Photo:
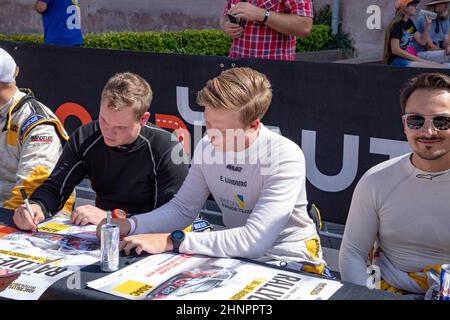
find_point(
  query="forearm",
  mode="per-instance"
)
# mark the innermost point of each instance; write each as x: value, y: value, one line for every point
x: 167, y: 218
x: 424, y: 36
x: 360, y: 234
x: 352, y: 264
x: 404, y: 54
x: 290, y: 24
x: 250, y: 241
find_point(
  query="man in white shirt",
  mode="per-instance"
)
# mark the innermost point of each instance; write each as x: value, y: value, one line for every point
x: 401, y: 204
x: 257, y: 178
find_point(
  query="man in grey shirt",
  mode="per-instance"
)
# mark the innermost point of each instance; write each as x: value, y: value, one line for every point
x: 400, y: 207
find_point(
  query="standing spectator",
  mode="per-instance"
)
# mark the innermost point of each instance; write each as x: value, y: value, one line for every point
x: 61, y: 20
x: 266, y: 29
x: 398, y: 47
x: 437, y: 47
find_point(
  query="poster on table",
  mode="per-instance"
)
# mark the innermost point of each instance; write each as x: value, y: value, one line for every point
x: 57, y: 250
x: 194, y: 277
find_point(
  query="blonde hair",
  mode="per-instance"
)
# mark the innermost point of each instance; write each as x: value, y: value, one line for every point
x: 128, y: 90
x: 387, y: 36
x: 238, y: 89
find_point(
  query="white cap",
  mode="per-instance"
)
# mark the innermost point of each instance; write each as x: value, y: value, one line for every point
x: 7, y: 67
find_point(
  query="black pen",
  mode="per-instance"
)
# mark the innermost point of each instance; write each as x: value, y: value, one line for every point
x: 27, y: 205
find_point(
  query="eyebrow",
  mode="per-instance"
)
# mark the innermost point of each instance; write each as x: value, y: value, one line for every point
x: 112, y: 126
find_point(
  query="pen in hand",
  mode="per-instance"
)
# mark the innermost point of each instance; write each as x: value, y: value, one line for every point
x: 27, y: 205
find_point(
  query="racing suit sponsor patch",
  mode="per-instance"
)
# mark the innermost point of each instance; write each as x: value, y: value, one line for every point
x: 32, y: 120
x: 42, y: 138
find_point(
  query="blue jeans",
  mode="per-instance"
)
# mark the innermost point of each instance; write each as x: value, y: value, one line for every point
x: 400, y: 62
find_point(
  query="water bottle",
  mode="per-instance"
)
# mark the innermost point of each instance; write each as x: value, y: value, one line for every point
x: 431, y: 14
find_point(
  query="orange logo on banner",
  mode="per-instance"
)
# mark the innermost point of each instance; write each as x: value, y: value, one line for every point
x: 176, y: 124
x: 4, y: 231
x: 73, y: 109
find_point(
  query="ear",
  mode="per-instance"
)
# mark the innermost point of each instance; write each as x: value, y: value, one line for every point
x: 254, y: 125
x: 144, y: 119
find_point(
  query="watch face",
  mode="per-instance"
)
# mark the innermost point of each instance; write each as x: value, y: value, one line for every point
x: 177, y: 235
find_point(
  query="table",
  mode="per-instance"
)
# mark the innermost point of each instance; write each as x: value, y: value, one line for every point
x: 60, y: 290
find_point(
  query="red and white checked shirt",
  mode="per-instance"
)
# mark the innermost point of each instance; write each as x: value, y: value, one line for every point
x: 260, y: 41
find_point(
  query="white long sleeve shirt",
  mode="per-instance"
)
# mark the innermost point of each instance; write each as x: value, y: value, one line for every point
x: 406, y: 210
x: 261, y: 193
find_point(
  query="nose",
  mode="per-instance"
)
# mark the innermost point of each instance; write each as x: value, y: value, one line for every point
x: 428, y: 126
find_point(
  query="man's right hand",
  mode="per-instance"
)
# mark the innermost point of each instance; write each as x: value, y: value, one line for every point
x: 233, y: 30
x: 22, y: 218
x: 124, y: 226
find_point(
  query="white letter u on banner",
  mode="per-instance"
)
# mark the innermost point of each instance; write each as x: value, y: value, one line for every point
x: 345, y: 177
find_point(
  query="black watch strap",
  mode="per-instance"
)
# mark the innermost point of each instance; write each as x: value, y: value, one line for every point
x: 266, y: 16
x: 177, y: 238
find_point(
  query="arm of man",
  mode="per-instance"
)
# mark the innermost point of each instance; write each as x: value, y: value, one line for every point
x: 361, y: 230
x: 232, y: 30
x: 297, y: 19
x: 446, y: 44
x: 41, y: 6
x: 180, y: 211
x: 423, y: 37
x: 268, y: 218
x: 431, y: 46
x: 39, y: 153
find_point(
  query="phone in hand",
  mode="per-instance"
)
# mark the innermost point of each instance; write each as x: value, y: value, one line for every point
x: 233, y: 19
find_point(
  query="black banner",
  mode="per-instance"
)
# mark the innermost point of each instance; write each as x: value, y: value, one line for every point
x: 345, y: 117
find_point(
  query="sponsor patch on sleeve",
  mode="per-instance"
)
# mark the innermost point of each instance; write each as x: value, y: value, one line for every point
x: 30, y: 121
x: 41, y: 138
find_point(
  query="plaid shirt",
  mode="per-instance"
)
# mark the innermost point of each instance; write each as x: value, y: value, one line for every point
x: 260, y: 41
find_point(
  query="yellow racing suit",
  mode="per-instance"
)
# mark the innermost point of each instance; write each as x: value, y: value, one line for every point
x: 31, y: 142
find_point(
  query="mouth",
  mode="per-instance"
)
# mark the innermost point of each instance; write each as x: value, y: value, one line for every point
x: 429, y: 141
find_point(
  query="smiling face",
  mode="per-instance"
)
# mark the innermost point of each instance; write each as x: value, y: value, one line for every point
x: 119, y: 127
x: 431, y: 146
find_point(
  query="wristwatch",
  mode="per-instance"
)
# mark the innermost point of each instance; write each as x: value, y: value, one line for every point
x: 177, y: 238
x: 266, y: 16
x: 118, y: 214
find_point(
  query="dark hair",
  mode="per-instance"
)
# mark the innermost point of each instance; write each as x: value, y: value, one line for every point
x: 430, y: 81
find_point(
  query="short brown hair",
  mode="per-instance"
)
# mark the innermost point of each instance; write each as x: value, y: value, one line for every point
x: 429, y: 81
x: 128, y: 90
x: 238, y: 89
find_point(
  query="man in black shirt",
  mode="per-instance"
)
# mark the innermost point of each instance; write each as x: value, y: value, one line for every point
x: 131, y: 164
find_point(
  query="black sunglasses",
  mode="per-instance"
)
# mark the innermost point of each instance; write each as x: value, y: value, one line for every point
x: 416, y: 121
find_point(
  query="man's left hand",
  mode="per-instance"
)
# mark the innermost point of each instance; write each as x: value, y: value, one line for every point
x: 86, y: 214
x: 151, y: 243
x: 6, y: 281
x: 248, y: 11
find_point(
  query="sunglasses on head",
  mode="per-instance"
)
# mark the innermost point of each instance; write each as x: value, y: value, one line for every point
x: 416, y: 121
